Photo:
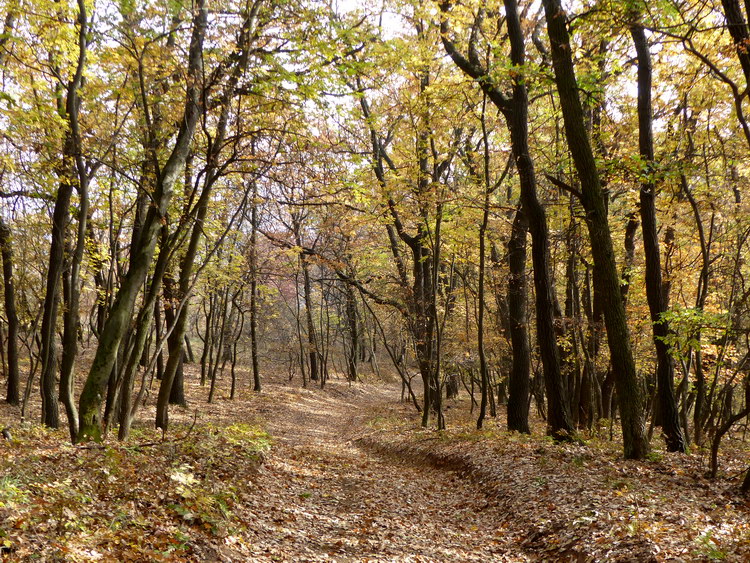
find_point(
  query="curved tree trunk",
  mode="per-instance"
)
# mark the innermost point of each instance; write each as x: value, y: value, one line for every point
x: 149, y: 309
x: 48, y: 381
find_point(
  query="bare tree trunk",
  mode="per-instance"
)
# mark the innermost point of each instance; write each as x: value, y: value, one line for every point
x: 175, y: 341
x: 48, y: 381
x: 158, y: 307
x: 207, y: 336
x: 219, y: 359
x: 515, y: 111
x: 71, y: 317
x: 143, y: 326
x: 312, y: 340
x: 238, y: 328
x: 189, y: 356
x: 352, y: 344
x: 483, y: 369
x: 173, y: 370
x: 559, y: 418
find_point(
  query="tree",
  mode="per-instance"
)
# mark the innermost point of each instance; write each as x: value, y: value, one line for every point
x: 630, y: 398
x: 9, y: 293
x: 257, y: 386
x: 658, y: 299
x: 122, y: 308
x: 419, y: 243
x: 515, y: 111
x: 213, y: 171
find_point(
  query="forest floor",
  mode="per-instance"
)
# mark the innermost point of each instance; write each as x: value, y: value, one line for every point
x: 346, y: 474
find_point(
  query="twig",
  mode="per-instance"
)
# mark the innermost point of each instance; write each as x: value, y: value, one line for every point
x: 563, y: 186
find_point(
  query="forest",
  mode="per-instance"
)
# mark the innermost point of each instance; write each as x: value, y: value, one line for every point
x: 405, y: 280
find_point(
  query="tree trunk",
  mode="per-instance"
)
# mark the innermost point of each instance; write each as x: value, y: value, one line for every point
x: 122, y: 309
x: 175, y: 342
x: 6, y: 252
x: 257, y: 385
x: 737, y: 27
x: 71, y: 319
x: 629, y: 394
x: 418, y: 310
x: 483, y: 369
x: 149, y: 310
x: 559, y: 418
x: 219, y: 359
x: 520, y: 374
x: 207, y: 337
x: 173, y: 372
x: 657, y: 299
x: 515, y: 111
x: 238, y: 327
x: 352, y: 349
x: 627, y: 268
x: 73, y: 169
x: 48, y: 381
x: 570, y: 355
x: 312, y: 340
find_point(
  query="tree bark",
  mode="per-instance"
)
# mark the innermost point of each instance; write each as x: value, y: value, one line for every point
x: 312, y: 340
x: 9, y: 293
x: 559, y: 418
x: 220, y: 357
x: 657, y: 299
x: 417, y: 312
x: 484, y: 377
x: 173, y: 370
x: 175, y: 342
x: 520, y: 374
x: 352, y: 350
x: 738, y: 29
x: 630, y: 398
x: 48, y: 381
x: 257, y: 384
x: 71, y: 316
x: 119, y: 318
x: 627, y: 268
x: 515, y: 111
x: 143, y: 323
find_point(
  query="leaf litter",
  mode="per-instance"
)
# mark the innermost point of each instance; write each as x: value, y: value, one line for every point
x: 346, y: 474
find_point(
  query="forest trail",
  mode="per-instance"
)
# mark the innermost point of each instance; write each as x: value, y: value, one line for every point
x: 320, y: 497
x: 350, y: 476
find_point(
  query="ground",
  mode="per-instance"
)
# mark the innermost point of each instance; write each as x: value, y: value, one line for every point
x: 334, y: 500
x: 346, y: 474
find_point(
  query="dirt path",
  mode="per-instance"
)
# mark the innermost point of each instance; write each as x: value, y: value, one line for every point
x: 322, y: 498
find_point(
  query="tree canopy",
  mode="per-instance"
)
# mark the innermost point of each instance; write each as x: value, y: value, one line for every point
x: 333, y: 189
